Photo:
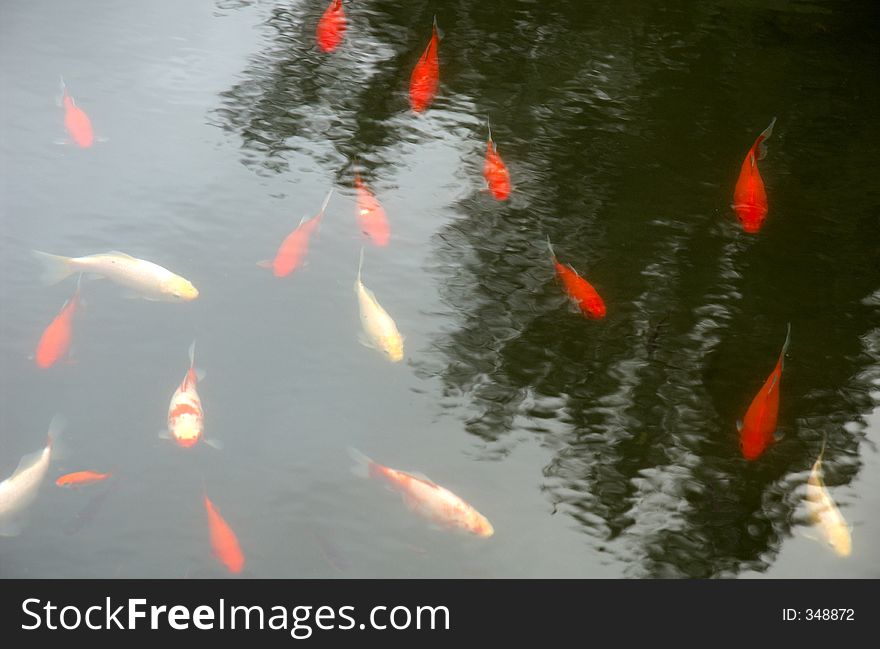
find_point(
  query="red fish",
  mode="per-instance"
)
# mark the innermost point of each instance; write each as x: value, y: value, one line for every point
x: 331, y: 27
x: 293, y: 249
x: 224, y: 543
x: 579, y: 290
x: 78, y: 125
x: 371, y: 216
x: 55, y: 340
x: 426, y: 75
x: 495, y: 171
x: 758, y: 428
x: 749, y: 197
x: 81, y: 478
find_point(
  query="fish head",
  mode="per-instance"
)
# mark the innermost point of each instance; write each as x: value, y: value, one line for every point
x: 393, y: 348
x: 181, y: 289
x: 596, y: 308
x: 752, y: 446
x: 187, y: 430
x: 841, y: 540
x: 751, y: 217
x: 482, y: 526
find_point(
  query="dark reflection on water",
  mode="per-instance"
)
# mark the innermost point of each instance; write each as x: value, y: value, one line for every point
x: 624, y: 127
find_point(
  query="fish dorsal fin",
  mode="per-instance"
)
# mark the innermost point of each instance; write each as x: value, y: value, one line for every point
x: 421, y: 477
x: 118, y: 253
x: 761, y: 151
x: 773, y: 382
x: 26, y: 463
x: 370, y: 295
x: 571, y: 268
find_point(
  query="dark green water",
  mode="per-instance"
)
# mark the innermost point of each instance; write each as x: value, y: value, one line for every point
x: 596, y: 448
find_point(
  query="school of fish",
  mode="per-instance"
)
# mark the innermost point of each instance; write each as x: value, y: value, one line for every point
x: 185, y: 415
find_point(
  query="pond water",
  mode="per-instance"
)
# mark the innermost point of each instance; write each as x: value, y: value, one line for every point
x: 597, y: 448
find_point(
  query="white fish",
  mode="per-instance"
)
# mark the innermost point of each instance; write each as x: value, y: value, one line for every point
x: 425, y: 497
x: 145, y: 278
x: 186, y: 419
x: 20, y: 489
x: 824, y: 513
x: 379, y: 330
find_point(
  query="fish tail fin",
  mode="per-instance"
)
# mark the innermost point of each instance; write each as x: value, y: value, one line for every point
x: 767, y: 132
x: 55, y: 267
x: 761, y: 142
x: 194, y: 371
x: 56, y: 429
x: 360, y: 268
x: 55, y: 435
x: 362, y: 464
x: 785, y: 346
x: 76, y: 291
x: 62, y: 89
x: 436, y: 29
x: 326, y: 202
x: 550, y: 248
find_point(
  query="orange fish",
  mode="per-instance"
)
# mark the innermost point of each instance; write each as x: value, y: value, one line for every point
x: 371, y: 215
x: 426, y: 75
x: 426, y: 498
x: 579, y: 290
x: 331, y: 27
x: 495, y: 171
x: 749, y: 197
x: 224, y: 543
x: 81, y: 478
x: 758, y: 429
x: 293, y: 249
x: 186, y: 420
x: 78, y: 125
x: 55, y: 340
